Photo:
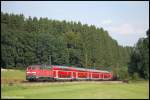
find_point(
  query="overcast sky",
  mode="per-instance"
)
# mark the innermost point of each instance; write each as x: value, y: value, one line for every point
x: 126, y: 21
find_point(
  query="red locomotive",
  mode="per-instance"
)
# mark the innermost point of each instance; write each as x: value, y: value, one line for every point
x: 55, y: 72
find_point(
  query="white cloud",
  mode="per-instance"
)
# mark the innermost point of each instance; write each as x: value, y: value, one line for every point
x: 126, y: 29
x: 127, y: 34
x: 107, y: 22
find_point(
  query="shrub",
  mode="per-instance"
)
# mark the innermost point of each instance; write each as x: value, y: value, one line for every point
x: 135, y: 76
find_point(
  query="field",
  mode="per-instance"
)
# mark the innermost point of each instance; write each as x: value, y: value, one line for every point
x: 16, y: 76
x: 70, y: 90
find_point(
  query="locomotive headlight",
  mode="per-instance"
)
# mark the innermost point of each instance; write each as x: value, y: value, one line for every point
x: 31, y: 72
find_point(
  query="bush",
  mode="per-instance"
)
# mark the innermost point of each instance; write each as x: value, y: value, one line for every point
x: 135, y: 76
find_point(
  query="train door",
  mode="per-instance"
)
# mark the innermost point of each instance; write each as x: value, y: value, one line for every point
x: 74, y: 75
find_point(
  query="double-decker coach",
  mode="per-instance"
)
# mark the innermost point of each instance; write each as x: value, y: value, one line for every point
x: 55, y: 72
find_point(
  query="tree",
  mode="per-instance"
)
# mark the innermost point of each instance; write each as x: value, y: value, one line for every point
x: 139, y: 62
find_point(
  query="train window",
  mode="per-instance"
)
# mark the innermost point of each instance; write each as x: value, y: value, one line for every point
x: 29, y: 68
x: 35, y: 67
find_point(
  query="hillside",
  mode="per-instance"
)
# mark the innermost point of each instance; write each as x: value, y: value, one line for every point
x: 26, y: 41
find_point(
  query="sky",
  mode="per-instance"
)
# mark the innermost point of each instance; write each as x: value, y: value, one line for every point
x: 125, y: 21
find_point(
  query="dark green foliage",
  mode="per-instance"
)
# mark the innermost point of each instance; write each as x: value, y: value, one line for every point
x: 139, y: 60
x: 135, y: 76
x: 43, y: 41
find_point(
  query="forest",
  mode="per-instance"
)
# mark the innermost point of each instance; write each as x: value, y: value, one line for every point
x: 29, y: 41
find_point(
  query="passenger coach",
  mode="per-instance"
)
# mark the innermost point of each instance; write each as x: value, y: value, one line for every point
x: 55, y: 72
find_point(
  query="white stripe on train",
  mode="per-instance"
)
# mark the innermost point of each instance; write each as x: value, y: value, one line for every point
x: 31, y: 72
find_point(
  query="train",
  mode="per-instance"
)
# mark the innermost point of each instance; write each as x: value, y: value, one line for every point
x: 57, y: 72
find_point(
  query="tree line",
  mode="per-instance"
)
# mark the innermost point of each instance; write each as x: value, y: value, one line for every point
x: 28, y: 41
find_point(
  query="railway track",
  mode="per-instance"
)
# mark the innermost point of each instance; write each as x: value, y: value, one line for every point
x: 71, y: 82
x: 40, y: 83
x: 68, y: 82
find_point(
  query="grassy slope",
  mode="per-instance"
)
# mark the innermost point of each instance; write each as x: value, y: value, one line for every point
x: 74, y: 90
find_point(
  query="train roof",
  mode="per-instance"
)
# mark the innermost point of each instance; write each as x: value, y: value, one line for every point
x: 42, y: 65
x: 76, y: 68
x: 82, y: 69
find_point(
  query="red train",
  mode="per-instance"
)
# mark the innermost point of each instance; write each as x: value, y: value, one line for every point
x: 55, y: 72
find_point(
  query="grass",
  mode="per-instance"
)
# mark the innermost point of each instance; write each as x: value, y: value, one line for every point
x: 75, y: 90
x: 12, y: 76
